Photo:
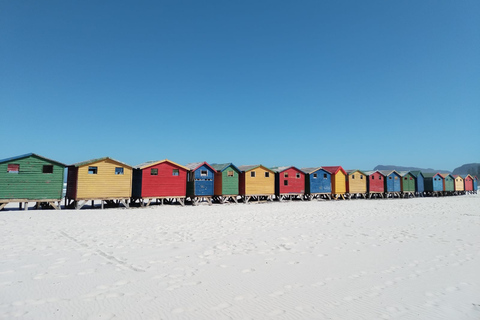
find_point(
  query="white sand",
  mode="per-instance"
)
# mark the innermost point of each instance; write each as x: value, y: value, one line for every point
x: 359, y: 259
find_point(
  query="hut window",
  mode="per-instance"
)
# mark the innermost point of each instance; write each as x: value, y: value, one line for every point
x: 324, y: 176
x: 48, y: 168
x: 390, y: 178
x: 361, y: 177
x: 13, y: 168
x: 230, y: 173
x: 372, y: 177
x: 267, y: 174
x: 92, y: 170
x: 154, y: 172
x: 405, y: 178
x: 203, y: 173
x: 285, y: 174
x: 118, y: 170
x: 314, y: 176
x: 297, y: 176
x: 411, y: 178
x: 252, y: 174
x: 285, y: 182
x: 396, y: 178
x: 175, y: 172
x: 353, y: 176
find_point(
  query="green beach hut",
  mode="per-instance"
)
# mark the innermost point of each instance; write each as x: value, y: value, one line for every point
x: 31, y: 178
x: 226, y: 182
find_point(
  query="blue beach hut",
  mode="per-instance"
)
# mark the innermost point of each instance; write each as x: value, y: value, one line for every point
x: 392, y: 182
x: 200, y: 181
x: 318, y: 183
x: 433, y: 182
x: 419, y: 182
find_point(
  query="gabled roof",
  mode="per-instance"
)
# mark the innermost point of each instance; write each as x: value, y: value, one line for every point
x: 404, y: 173
x: 246, y: 168
x: 464, y: 176
x: 431, y: 174
x: 444, y: 175
x: 370, y: 172
x: 281, y: 169
x: 220, y: 167
x: 87, y: 162
x: 458, y: 176
x: 416, y: 173
x: 355, y: 170
x: 334, y: 169
x: 195, y: 165
x: 314, y: 169
x: 388, y: 172
x: 154, y: 163
x: 31, y: 155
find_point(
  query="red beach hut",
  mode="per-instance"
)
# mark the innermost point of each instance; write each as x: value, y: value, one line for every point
x: 289, y: 183
x: 375, y: 183
x: 165, y: 180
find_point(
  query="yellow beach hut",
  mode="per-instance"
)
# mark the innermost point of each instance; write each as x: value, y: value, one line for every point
x: 339, y: 181
x: 256, y: 183
x: 356, y: 184
x: 103, y: 179
x: 459, y: 184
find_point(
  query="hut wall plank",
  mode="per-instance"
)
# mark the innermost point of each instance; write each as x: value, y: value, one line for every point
x: 30, y: 182
x: 105, y: 183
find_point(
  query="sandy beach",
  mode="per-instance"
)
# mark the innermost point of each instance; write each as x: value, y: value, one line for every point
x: 361, y: 259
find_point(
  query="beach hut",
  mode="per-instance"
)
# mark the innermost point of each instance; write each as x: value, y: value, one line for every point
x: 433, y: 183
x: 407, y: 184
x: 419, y: 182
x: 227, y: 180
x: 339, y: 183
x: 164, y: 181
x: 459, y: 184
x: 200, y: 182
x: 289, y: 183
x: 468, y: 181
x: 318, y: 183
x: 475, y: 184
x: 375, y: 184
x: 104, y: 179
x: 448, y: 183
x: 392, y: 183
x: 356, y: 184
x: 31, y: 178
x: 256, y: 183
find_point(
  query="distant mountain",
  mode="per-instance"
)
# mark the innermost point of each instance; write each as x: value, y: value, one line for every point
x: 469, y: 168
x: 400, y: 168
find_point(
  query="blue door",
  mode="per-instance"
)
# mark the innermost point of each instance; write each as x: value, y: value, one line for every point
x: 204, y: 181
x: 420, y: 186
x: 437, y: 183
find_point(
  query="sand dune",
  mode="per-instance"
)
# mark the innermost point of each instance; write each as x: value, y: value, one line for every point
x: 362, y: 259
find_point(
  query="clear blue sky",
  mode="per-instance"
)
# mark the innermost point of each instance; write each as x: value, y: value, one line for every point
x: 304, y: 83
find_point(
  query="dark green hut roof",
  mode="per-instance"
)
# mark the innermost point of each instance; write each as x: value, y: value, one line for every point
x: 31, y: 155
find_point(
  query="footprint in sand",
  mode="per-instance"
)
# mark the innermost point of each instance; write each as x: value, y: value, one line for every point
x: 248, y: 270
x: 277, y: 294
x: 177, y: 311
x: 318, y: 284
